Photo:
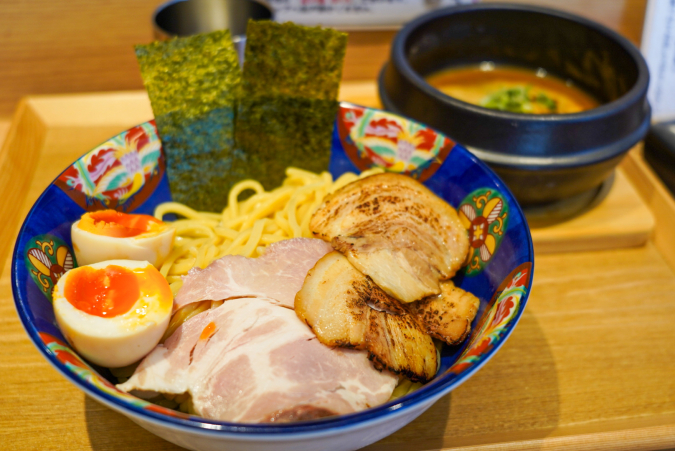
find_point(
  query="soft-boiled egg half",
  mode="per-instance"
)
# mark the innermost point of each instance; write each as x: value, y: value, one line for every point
x: 108, y: 234
x: 115, y: 312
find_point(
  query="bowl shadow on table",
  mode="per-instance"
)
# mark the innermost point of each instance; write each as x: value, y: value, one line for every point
x: 108, y: 430
x: 514, y: 397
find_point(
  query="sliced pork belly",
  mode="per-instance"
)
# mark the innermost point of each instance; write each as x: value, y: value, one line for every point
x: 277, y: 274
x: 448, y: 316
x: 250, y: 361
x: 388, y: 258
x: 345, y: 308
x: 396, y: 231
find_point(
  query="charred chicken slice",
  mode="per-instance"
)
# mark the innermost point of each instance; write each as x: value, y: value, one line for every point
x: 448, y: 316
x: 345, y: 308
x: 396, y: 231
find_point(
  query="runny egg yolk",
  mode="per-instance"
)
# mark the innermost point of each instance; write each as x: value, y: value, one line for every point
x: 107, y: 292
x: 119, y: 225
x: 113, y: 290
x: 113, y: 312
x: 112, y: 235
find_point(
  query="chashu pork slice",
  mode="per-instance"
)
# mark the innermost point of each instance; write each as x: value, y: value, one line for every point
x: 448, y: 316
x: 277, y: 274
x: 393, y: 261
x: 396, y: 231
x: 251, y: 361
x: 345, y: 308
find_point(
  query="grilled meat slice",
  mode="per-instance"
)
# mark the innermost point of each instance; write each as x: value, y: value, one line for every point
x: 329, y: 303
x: 448, y: 316
x: 396, y: 231
x: 389, y: 259
x: 345, y: 308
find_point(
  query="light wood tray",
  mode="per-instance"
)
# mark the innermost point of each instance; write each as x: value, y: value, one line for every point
x: 590, y: 365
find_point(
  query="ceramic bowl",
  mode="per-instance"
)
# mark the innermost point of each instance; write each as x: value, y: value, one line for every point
x: 542, y: 158
x: 499, y: 271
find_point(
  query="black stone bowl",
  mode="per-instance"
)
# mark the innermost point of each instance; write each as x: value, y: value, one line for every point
x: 546, y: 160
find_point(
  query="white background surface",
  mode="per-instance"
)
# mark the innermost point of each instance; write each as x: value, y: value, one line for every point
x: 658, y: 48
x: 356, y: 14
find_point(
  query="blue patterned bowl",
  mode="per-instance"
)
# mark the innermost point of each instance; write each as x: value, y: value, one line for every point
x: 498, y: 270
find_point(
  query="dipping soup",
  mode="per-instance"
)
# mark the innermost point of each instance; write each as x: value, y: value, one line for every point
x: 513, y: 89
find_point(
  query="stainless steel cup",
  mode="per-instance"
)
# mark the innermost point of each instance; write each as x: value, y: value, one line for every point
x: 189, y: 17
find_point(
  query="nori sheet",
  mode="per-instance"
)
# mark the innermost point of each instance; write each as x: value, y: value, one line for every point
x: 218, y: 128
x: 286, y: 114
x: 278, y: 132
x: 194, y: 84
x: 293, y: 60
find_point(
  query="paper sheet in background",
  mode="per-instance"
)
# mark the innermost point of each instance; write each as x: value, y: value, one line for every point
x: 658, y: 48
x: 356, y: 14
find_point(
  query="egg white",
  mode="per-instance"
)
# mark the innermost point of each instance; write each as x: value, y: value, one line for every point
x: 150, y: 246
x: 117, y: 341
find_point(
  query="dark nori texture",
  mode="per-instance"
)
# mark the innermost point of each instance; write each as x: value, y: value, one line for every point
x: 194, y: 84
x: 292, y: 60
x: 217, y: 129
x: 291, y: 80
x: 278, y: 132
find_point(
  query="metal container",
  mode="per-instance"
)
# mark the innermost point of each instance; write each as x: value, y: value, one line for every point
x: 189, y: 17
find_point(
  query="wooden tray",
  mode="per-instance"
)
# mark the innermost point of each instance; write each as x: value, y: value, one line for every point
x: 590, y: 366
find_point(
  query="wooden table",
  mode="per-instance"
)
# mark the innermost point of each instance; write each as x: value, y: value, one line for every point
x: 589, y: 367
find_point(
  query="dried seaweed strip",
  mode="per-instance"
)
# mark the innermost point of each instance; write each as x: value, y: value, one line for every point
x: 278, y: 132
x: 284, y: 109
x: 194, y: 84
x: 201, y: 157
x: 292, y: 60
x: 291, y: 79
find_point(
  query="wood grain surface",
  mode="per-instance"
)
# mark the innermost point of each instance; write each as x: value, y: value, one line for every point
x: 69, y: 46
x: 621, y: 219
x: 658, y: 199
x: 589, y: 366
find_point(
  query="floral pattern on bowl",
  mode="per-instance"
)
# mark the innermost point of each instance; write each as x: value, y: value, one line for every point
x: 484, y: 213
x: 118, y: 174
x: 377, y: 138
x: 497, y: 318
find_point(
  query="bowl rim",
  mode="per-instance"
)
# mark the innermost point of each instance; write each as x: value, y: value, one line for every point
x: 426, y: 395
x: 638, y: 89
x: 537, y: 162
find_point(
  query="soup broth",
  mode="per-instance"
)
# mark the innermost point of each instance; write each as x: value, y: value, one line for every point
x: 512, y: 89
